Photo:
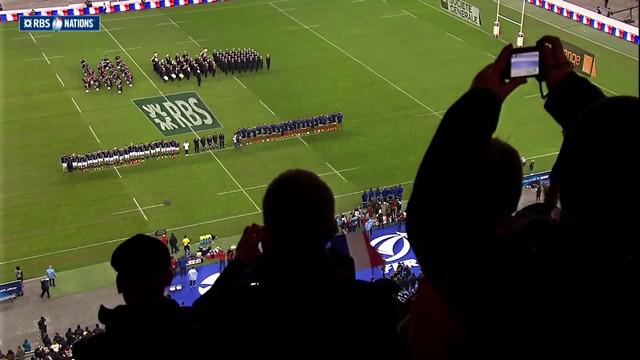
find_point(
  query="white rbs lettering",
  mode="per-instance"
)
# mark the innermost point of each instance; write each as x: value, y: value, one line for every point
x: 207, y: 119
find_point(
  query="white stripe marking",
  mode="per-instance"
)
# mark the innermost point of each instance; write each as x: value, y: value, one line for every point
x: 194, y: 41
x: 134, y: 210
x: 532, y: 96
x: 131, y: 48
x: 45, y: 57
x: 335, y: 171
x: 266, y: 107
x: 57, y: 57
x: 117, y: 172
x: 239, y: 82
x: 356, y: 60
x: 541, y: 156
x: 237, y: 190
x: 193, y: 131
x: 453, y: 36
x: 123, y: 239
x: 174, y: 23
x: 76, y: 104
x: 392, y: 15
x: 358, y: 1
x: 302, y: 28
x: 139, y: 208
x: 427, y: 114
x: 408, y: 13
x: 264, y: 186
x: 301, y: 139
x: 235, y: 181
x: 491, y: 55
x: 58, y: 76
x: 32, y: 38
x: 94, y: 134
x: 604, y: 88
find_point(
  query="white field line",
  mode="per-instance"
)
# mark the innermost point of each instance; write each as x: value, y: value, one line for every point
x: 32, y: 38
x: 392, y: 15
x: 355, y: 59
x: 543, y: 155
x: 123, y: 239
x: 301, y: 139
x: 139, y: 208
x: 408, y: 13
x: 94, y: 134
x: 266, y: 107
x: 174, y: 23
x: 336, y: 171
x: 193, y: 131
x: 239, y: 82
x: 265, y: 185
x: 45, y: 57
x: 455, y: 37
x: 194, y: 41
x: 59, y: 79
x: 76, y: 104
x: 117, y: 172
x: 136, y: 209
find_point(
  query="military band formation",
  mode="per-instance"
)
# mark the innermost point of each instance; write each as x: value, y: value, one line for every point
x: 229, y: 61
x: 109, y: 75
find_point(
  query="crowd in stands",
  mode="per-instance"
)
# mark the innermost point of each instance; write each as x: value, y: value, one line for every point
x: 498, y: 283
x: 285, y: 129
x: 378, y: 208
x: 109, y: 75
x: 127, y: 155
x: 52, y: 347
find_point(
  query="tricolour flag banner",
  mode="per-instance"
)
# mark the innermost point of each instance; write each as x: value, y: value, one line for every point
x: 357, y: 245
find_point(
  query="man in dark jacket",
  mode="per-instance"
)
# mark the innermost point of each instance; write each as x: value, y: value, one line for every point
x: 143, y: 271
x: 509, y: 284
x: 279, y: 310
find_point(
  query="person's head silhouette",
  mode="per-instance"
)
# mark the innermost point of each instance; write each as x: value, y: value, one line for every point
x: 298, y: 214
x: 143, y: 265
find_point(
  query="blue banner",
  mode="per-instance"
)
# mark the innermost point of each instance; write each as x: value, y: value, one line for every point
x: 539, y: 178
x: 391, y: 242
x: 59, y: 23
x: 10, y: 290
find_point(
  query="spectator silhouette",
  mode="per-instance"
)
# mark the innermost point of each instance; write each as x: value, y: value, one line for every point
x: 296, y: 295
x: 143, y: 271
x: 519, y: 287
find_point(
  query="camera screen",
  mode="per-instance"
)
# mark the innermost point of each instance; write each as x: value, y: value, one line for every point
x: 525, y: 64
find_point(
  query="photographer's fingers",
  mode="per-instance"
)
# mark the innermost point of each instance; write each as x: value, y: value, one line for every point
x: 512, y: 85
x: 503, y: 59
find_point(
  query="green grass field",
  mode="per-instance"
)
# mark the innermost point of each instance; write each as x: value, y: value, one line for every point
x: 391, y: 76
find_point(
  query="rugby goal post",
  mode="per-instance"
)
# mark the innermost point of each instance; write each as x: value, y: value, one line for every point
x: 497, y: 29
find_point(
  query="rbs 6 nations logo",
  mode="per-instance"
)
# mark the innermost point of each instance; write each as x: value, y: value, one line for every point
x: 178, y: 113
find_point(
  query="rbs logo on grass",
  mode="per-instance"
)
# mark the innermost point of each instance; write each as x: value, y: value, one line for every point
x: 59, y: 23
x: 178, y: 113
